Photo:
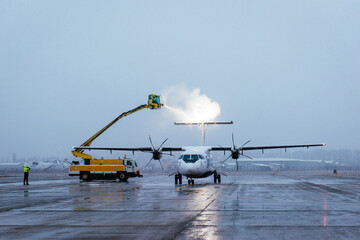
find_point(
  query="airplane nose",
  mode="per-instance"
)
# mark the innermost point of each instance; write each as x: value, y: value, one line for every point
x: 189, y: 169
x: 184, y: 169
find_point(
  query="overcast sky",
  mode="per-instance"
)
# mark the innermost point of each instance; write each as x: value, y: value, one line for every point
x: 286, y: 72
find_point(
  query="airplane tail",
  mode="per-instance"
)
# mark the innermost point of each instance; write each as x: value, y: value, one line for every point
x: 202, y: 125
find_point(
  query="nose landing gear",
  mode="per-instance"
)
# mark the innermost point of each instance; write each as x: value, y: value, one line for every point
x: 178, y: 178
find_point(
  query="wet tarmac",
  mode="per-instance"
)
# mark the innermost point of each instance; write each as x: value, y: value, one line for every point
x: 291, y: 205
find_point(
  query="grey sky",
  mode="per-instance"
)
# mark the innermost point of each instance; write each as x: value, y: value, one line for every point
x: 286, y: 72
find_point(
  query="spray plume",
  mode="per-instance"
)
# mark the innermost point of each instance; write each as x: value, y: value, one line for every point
x: 190, y: 105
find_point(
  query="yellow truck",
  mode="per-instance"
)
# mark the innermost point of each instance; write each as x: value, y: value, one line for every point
x: 108, y: 168
x: 114, y: 169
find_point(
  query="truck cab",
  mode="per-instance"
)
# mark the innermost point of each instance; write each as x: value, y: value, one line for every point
x: 131, y: 165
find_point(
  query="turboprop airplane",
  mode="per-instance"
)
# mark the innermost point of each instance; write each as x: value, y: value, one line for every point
x: 196, y: 161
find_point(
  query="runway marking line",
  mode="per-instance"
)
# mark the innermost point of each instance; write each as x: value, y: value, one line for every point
x: 180, y: 188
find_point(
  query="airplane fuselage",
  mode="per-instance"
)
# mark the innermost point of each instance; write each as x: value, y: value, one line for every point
x: 195, y: 162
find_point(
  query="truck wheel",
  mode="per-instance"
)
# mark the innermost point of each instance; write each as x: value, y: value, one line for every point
x: 122, y: 177
x: 85, y: 176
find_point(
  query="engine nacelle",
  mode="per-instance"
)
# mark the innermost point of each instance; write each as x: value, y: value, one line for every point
x: 235, y: 154
x: 157, y: 155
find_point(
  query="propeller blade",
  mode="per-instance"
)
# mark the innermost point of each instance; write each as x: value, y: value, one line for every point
x: 226, y: 159
x: 233, y: 141
x: 161, y: 165
x: 245, y: 144
x: 247, y: 156
x: 222, y: 148
x: 148, y: 162
x: 152, y: 145
x: 162, y: 143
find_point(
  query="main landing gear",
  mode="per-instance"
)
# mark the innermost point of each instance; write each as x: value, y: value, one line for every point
x: 178, y: 178
x: 191, y: 181
x: 217, y: 177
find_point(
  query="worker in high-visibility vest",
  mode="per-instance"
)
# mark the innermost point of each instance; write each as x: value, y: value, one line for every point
x: 26, y: 174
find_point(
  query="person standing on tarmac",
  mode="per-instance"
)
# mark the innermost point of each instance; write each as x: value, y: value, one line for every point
x: 26, y: 174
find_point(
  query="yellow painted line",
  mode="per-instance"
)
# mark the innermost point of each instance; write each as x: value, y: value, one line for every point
x: 179, y: 188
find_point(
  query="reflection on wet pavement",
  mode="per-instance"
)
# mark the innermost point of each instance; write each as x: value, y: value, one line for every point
x: 290, y: 205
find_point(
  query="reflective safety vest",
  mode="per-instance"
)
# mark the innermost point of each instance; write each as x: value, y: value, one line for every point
x: 26, y: 169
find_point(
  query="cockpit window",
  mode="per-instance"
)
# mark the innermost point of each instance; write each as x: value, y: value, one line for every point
x: 191, y: 158
x: 195, y: 157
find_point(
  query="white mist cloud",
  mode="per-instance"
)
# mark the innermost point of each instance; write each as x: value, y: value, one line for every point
x: 190, y: 105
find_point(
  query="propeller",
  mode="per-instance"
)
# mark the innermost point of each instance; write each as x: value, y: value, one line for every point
x: 237, y: 152
x: 156, y: 153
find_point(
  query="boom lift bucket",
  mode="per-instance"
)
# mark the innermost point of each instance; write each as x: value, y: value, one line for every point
x: 154, y: 101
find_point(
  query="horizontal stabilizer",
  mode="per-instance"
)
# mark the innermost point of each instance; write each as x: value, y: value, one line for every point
x: 202, y: 123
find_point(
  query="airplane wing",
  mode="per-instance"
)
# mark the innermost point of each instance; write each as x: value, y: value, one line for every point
x: 266, y: 147
x: 140, y: 149
x: 174, y: 149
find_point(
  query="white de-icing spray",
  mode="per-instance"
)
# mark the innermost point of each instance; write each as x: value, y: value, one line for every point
x: 191, y: 106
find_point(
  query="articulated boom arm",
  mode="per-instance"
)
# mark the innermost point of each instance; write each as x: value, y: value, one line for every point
x: 153, y: 103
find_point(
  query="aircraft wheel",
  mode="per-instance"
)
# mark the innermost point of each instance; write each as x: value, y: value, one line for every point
x: 215, y: 177
x: 189, y: 181
x: 219, y: 178
x: 192, y: 181
x: 180, y: 178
